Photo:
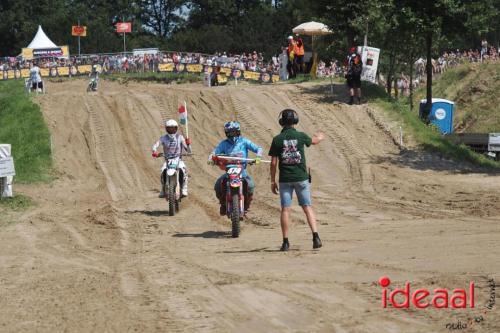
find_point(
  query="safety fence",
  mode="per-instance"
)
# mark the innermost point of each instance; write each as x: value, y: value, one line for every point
x: 224, y: 72
x: 169, y: 61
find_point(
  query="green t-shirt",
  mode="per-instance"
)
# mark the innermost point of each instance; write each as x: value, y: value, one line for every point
x: 288, y: 146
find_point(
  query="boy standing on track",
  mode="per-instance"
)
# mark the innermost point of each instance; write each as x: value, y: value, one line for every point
x: 288, y: 149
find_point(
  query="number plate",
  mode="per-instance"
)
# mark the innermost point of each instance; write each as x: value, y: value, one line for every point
x: 234, y: 171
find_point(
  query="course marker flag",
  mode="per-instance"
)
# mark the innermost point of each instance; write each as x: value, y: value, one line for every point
x: 182, y: 114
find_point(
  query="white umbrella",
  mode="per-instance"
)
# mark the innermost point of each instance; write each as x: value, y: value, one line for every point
x: 312, y: 29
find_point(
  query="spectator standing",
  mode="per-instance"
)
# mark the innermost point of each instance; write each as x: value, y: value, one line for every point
x: 291, y: 52
x: 287, y: 148
x: 353, y: 75
x: 300, y: 56
x: 484, y: 48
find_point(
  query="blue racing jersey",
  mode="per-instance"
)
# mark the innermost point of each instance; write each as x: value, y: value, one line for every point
x: 239, y: 148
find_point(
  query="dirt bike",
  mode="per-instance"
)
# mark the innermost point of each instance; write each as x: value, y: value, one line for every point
x: 92, y: 84
x: 234, y: 187
x: 28, y: 85
x: 172, y: 183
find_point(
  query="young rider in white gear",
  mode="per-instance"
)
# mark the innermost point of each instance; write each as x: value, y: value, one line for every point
x: 94, y: 74
x: 36, y: 78
x: 174, y: 145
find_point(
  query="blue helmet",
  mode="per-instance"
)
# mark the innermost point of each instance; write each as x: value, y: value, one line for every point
x: 232, y: 129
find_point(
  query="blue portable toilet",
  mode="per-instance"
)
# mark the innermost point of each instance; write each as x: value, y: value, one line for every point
x: 441, y: 114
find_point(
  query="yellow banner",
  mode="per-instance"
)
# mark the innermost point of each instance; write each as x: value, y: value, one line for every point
x: 63, y: 71
x: 11, y: 74
x: 25, y: 73
x: 27, y: 53
x: 44, y: 72
x: 84, y: 69
x: 65, y: 51
x: 222, y: 79
x: 251, y: 75
x: 166, y: 67
x: 226, y: 71
x: 194, y: 68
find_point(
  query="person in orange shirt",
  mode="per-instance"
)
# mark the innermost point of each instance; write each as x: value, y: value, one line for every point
x: 300, y: 56
x: 291, y: 52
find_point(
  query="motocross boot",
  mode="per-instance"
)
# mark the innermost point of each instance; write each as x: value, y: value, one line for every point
x: 222, y: 209
x: 247, y: 202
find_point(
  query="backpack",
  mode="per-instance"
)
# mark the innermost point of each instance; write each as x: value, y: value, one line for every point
x: 355, y: 64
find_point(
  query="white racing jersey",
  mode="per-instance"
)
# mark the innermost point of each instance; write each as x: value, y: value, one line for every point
x: 35, y: 74
x: 173, y: 145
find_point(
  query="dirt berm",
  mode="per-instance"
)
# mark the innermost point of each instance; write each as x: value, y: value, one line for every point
x: 99, y: 252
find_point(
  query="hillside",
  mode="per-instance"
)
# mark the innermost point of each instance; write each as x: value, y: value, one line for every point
x: 474, y: 89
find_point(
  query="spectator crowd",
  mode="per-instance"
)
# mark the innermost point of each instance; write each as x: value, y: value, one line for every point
x: 251, y: 61
x: 128, y: 62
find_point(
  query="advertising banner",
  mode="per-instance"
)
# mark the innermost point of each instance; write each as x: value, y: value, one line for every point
x: 123, y: 27
x: 251, y: 75
x: 194, y: 68
x: 27, y: 53
x: 44, y: 72
x: 224, y: 74
x: 141, y: 52
x: 63, y: 71
x: 79, y: 30
x: 61, y: 51
x: 369, y: 56
x: 49, y: 52
x: 25, y: 73
x: 166, y: 67
x: 84, y: 69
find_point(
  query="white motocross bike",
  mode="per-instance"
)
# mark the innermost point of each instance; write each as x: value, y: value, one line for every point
x: 172, y: 179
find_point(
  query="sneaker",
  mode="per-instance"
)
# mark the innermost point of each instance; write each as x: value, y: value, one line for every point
x: 317, y: 243
x: 184, y: 193
x: 222, y: 210
x: 161, y: 195
x: 285, y: 246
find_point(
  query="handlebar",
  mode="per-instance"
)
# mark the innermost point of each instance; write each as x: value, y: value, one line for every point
x: 184, y: 154
x: 240, y: 159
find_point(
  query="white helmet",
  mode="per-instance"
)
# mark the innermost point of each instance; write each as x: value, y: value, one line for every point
x: 171, y: 127
x: 171, y: 123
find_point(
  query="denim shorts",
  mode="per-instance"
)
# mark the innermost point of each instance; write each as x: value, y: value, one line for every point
x: 302, y: 189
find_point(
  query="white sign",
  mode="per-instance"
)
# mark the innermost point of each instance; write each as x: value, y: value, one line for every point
x: 440, y: 114
x: 369, y: 56
x: 7, y: 167
x: 141, y: 52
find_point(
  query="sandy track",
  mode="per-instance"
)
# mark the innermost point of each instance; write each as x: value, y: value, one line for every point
x: 99, y: 252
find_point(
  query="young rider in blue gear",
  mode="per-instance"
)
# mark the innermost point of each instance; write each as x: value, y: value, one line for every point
x: 237, y: 146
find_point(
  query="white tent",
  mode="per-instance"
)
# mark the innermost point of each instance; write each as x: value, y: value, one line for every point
x: 41, y: 41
